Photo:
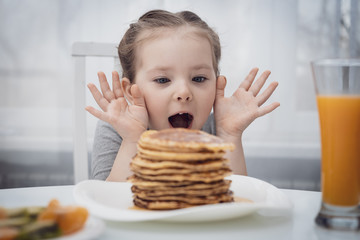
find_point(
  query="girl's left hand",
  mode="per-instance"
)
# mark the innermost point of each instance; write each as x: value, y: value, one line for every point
x: 234, y: 114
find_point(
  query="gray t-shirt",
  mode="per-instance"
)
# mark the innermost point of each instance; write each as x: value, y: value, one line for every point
x: 107, y: 143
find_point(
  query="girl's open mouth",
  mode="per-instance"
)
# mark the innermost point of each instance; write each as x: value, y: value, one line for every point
x: 181, y: 120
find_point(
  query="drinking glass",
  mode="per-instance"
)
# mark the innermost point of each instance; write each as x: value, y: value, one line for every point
x: 337, y: 85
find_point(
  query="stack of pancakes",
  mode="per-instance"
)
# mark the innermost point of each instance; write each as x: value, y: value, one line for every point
x: 178, y: 168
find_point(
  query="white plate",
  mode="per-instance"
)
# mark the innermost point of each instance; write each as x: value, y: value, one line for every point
x: 113, y: 201
x: 92, y: 229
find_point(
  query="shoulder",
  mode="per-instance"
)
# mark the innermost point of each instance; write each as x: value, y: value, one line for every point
x: 209, y: 125
x: 105, y: 148
x: 104, y: 131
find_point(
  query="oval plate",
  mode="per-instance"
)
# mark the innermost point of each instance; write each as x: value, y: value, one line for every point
x: 113, y: 201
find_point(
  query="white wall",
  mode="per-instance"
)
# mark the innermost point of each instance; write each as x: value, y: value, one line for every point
x: 36, y: 68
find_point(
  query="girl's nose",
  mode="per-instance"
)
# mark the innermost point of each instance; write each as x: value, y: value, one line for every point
x: 183, y: 94
x: 185, y: 99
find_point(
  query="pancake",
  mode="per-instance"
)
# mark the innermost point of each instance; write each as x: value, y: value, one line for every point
x: 138, y: 181
x: 183, y: 140
x: 198, y: 200
x: 160, y: 205
x: 179, y: 191
x: 179, y: 168
x: 177, y: 156
x: 175, y: 203
x: 168, y: 185
x: 208, y: 176
x: 206, y: 165
x: 169, y: 171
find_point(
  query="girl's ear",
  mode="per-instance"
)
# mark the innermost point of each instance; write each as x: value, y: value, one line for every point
x: 126, y: 88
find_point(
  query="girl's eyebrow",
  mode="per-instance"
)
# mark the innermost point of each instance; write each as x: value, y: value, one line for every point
x: 166, y: 68
x: 203, y: 66
x: 159, y: 68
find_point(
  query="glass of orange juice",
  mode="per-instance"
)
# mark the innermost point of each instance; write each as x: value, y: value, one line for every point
x: 337, y: 85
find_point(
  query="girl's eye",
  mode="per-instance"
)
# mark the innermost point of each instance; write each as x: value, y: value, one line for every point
x: 199, y: 79
x: 162, y: 80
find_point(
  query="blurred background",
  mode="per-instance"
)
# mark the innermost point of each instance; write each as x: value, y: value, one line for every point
x: 37, y: 77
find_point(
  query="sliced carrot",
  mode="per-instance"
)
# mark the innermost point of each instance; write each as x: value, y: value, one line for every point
x: 54, y: 204
x: 3, y: 213
x: 69, y: 218
x: 8, y: 233
x: 50, y: 211
x: 72, y: 219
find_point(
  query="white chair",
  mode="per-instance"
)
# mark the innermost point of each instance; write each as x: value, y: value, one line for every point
x: 80, y: 51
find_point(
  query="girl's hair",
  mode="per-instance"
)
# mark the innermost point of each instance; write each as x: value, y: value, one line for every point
x: 157, y: 19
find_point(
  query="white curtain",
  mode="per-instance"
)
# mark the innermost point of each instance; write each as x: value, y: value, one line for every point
x: 36, y: 69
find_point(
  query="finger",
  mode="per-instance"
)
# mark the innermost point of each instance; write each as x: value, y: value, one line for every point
x: 116, y: 85
x: 220, y: 86
x: 138, y: 98
x: 267, y: 109
x: 96, y: 113
x: 267, y: 93
x: 122, y: 103
x: 105, y: 88
x: 259, y: 83
x: 100, y: 100
x: 249, y: 79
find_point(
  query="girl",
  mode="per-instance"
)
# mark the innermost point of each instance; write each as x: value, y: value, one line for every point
x: 170, y: 79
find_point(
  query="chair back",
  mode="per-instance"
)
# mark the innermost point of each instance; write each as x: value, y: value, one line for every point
x: 80, y: 51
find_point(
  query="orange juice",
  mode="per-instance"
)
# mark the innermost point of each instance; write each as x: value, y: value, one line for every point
x: 340, y: 149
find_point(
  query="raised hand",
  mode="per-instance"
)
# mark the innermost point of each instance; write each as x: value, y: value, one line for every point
x: 234, y: 114
x: 128, y: 120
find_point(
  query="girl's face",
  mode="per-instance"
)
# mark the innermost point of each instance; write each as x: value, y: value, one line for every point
x: 175, y: 74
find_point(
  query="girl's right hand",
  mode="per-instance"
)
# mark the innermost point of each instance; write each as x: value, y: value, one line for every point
x: 128, y: 120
